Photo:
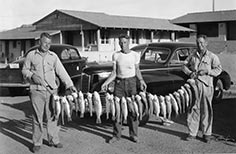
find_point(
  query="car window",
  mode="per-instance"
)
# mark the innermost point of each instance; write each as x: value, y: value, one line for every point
x: 156, y: 55
x: 181, y: 54
x: 69, y: 54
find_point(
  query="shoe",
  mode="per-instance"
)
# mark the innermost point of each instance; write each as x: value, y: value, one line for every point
x: 58, y: 145
x: 207, y: 138
x: 134, y: 139
x: 35, y: 148
x: 190, y: 138
x: 113, y: 140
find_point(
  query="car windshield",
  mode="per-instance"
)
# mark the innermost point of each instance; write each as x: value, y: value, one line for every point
x: 156, y: 55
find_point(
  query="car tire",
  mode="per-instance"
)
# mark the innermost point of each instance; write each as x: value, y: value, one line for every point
x: 18, y: 91
x: 218, y: 91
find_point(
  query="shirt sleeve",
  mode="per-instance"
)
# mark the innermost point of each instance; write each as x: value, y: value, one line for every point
x: 62, y: 73
x: 216, y: 68
x: 27, y: 74
x: 137, y: 57
x: 186, y: 66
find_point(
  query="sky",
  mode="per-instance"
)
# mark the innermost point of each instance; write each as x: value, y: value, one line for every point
x: 14, y: 13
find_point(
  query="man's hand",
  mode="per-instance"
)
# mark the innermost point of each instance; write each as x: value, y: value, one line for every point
x: 193, y: 75
x: 36, y: 79
x: 104, y: 87
x: 73, y: 89
x: 143, y: 85
x: 202, y: 72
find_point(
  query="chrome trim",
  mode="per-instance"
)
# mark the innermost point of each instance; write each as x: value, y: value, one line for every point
x: 160, y: 69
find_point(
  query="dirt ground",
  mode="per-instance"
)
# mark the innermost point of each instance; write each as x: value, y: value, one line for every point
x: 83, y: 136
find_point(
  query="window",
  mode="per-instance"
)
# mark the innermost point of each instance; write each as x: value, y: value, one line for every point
x: 134, y: 37
x: 69, y: 54
x: 104, y: 37
x: 181, y: 54
x: 156, y: 55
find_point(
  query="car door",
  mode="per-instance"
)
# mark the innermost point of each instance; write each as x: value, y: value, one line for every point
x: 176, y: 62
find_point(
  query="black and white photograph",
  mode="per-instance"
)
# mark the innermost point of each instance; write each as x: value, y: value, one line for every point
x: 117, y: 76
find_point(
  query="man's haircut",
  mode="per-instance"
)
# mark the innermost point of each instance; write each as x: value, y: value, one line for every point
x: 47, y: 35
x: 202, y: 36
x: 124, y: 36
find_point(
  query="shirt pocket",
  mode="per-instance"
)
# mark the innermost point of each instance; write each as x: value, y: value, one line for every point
x: 36, y: 65
x: 49, y: 66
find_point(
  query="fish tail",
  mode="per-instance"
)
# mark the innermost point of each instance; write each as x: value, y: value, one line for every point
x: 98, y: 120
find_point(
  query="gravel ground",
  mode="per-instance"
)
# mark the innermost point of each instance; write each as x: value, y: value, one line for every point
x: 83, y: 136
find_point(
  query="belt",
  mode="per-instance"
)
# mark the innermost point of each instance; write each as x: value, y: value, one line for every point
x: 118, y: 78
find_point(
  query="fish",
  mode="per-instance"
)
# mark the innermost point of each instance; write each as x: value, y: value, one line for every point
x: 76, y: 102
x: 98, y: 106
x: 70, y: 100
x: 177, y: 98
x: 168, y: 106
x: 156, y: 106
x: 174, y: 104
x: 187, y: 87
x: 108, y: 104
x: 130, y: 105
x: 135, y: 105
x: 150, y: 103
x: 124, y: 109
x: 118, y: 110
x: 140, y: 106
x: 57, y: 106
x: 113, y: 108
x: 182, y: 99
x: 67, y: 108
x: 90, y: 103
x: 62, y: 110
x: 144, y: 100
x: 186, y: 95
x: 163, y: 106
x: 81, y: 104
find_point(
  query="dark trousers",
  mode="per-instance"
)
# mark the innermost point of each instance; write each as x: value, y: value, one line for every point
x: 126, y: 88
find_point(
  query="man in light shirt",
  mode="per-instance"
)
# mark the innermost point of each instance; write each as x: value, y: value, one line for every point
x: 125, y: 73
x: 41, y: 66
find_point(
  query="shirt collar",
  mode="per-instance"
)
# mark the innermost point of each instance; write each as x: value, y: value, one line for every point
x: 38, y: 52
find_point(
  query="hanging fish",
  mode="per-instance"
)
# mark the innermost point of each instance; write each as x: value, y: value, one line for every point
x: 124, y: 109
x: 113, y: 108
x: 150, y: 103
x: 177, y: 98
x: 62, y: 110
x: 108, y: 104
x: 156, y: 106
x: 135, y: 105
x: 70, y: 100
x: 130, y: 105
x: 163, y: 106
x: 90, y: 103
x: 75, y: 97
x: 168, y: 106
x: 57, y: 106
x: 140, y: 106
x: 81, y: 104
x: 187, y: 87
x: 186, y: 95
x: 182, y: 99
x: 67, y: 108
x: 144, y: 100
x: 98, y: 106
x: 117, y: 107
x: 174, y: 104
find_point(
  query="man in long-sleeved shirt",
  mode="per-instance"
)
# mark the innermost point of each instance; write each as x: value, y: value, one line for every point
x: 202, y: 66
x: 41, y: 66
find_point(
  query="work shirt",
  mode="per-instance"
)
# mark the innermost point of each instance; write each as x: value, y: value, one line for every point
x: 46, y: 67
x: 209, y: 61
x: 125, y: 63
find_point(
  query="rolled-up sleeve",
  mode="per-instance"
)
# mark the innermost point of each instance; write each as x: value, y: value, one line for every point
x: 62, y: 73
x: 27, y: 74
x: 186, y: 66
x: 216, y: 68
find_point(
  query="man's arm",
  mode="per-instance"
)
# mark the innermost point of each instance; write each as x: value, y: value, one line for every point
x: 143, y: 85
x: 216, y: 67
x: 109, y: 79
x: 27, y: 74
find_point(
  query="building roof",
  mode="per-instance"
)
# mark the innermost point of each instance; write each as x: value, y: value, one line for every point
x: 114, y: 21
x: 23, y: 32
x: 214, y: 16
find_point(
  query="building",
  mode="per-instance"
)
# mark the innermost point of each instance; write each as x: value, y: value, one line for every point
x: 219, y: 26
x: 89, y: 31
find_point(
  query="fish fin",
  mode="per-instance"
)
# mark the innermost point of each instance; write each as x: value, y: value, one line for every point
x: 98, y: 121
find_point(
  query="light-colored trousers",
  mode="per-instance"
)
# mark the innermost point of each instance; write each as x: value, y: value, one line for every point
x: 202, y: 112
x: 40, y: 102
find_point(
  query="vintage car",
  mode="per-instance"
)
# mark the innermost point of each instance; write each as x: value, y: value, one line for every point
x: 160, y: 65
x: 11, y: 76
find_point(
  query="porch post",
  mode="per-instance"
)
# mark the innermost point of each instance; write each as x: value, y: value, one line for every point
x: 152, y: 36
x: 98, y: 39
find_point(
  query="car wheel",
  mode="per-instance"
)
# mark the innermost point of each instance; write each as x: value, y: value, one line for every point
x: 218, y: 91
x: 18, y: 91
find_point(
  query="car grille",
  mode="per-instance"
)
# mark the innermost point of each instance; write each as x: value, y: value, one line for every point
x: 85, y: 82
